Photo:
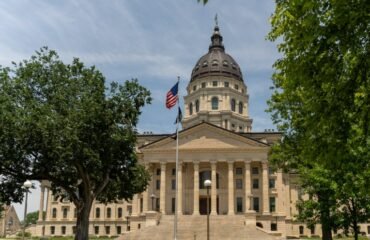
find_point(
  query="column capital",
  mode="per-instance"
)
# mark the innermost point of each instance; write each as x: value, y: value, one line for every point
x: 248, y: 162
x: 163, y: 164
x: 196, y: 162
x: 264, y: 165
x: 230, y: 164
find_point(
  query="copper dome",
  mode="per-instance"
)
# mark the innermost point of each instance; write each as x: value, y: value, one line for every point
x: 216, y: 62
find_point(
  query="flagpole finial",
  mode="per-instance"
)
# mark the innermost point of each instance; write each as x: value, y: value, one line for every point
x: 216, y: 20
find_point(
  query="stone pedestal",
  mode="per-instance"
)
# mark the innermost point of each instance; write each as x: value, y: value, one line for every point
x: 250, y: 218
x: 151, y: 218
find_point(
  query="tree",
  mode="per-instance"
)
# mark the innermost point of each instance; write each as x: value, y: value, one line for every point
x: 321, y: 101
x: 32, y: 217
x: 61, y: 124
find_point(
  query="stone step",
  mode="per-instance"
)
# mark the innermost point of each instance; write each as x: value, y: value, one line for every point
x: 195, y: 227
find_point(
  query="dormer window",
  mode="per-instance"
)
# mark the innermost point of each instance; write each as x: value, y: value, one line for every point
x: 214, y: 63
x: 225, y: 63
x: 233, y: 66
x: 205, y: 64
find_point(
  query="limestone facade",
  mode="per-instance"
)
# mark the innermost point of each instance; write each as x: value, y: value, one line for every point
x: 9, y: 221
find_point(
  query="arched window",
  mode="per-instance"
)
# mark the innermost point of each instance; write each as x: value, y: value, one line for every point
x: 240, y: 107
x: 204, y: 175
x: 191, y: 109
x: 97, y: 213
x: 197, y: 106
x: 65, y: 212
x: 233, y: 105
x: 119, y: 212
x: 214, y: 103
x: 54, y: 213
x: 109, y: 212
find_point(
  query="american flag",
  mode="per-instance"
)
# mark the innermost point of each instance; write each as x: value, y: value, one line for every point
x: 172, y: 96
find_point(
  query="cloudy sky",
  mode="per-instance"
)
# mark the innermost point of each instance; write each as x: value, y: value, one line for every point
x: 153, y: 41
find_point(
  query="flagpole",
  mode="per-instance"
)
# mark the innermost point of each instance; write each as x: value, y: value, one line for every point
x: 177, y: 164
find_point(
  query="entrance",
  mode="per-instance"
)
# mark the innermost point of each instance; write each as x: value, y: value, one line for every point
x: 203, y: 205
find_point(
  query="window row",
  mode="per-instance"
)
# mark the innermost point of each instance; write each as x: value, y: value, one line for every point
x: 97, y: 213
x: 216, y: 84
x: 63, y: 230
x: 196, y: 107
x: 215, y: 62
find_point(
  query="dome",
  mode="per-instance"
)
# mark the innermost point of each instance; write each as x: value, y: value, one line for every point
x: 216, y: 62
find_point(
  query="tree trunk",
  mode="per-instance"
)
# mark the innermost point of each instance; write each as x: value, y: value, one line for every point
x: 82, y: 224
x: 325, y: 216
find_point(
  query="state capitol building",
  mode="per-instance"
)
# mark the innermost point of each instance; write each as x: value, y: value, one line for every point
x: 247, y: 199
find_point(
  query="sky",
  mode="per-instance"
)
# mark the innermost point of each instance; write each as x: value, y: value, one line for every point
x: 152, y: 41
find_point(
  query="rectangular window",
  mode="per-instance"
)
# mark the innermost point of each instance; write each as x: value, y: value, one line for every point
x: 236, y: 86
x: 272, y: 204
x: 239, y: 183
x: 173, y: 205
x: 239, y: 171
x: 194, y: 87
x: 256, y: 204
x: 312, y: 230
x: 74, y: 229
x: 129, y: 210
x: 271, y: 183
x: 273, y: 226
x: 119, y: 231
x: 173, y: 171
x: 63, y: 230
x: 158, y: 184
x: 173, y: 184
x: 226, y: 84
x: 107, y: 230
x: 141, y: 204
x: 203, y: 84
x: 214, y: 83
x: 52, y: 230
x: 239, y: 204
x: 157, y: 204
x: 255, y: 183
x: 158, y: 171
x: 255, y: 170
x: 96, y: 229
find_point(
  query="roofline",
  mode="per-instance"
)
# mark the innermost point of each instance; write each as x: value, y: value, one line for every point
x: 210, y: 124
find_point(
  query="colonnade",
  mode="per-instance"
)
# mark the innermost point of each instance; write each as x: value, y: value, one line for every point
x: 247, y: 190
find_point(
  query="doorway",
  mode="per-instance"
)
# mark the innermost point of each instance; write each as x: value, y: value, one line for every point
x: 203, y: 205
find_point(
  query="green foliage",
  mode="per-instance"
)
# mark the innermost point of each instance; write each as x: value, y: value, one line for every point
x: 32, y: 217
x: 321, y: 100
x: 60, y: 123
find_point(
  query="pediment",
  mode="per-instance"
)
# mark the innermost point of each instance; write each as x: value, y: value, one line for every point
x: 205, y: 136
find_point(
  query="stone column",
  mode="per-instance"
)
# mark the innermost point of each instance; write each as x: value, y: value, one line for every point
x: 214, y: 189
x: 145, y: 196
x: 280, y: 197
x: 247, y: 187
x: 265, y: 188
x: 47, y: 217
x: 196, y: 188
x: 179, y: 189
x: 135, y: 205
x: 230, y: 189
x: 41, y: 210
x: 163, y: 189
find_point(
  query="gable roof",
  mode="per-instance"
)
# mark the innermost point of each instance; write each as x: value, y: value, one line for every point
x: 202, y: 126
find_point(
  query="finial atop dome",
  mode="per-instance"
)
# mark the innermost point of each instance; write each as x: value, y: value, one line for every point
x: 216, y: 37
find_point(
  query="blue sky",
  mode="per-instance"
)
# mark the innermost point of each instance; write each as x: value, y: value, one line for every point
x: 153, y: 41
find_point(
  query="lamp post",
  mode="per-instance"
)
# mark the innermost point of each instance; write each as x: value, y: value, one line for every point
x: 27, y: 185
x: 207, y: 184
x: 152, y: 196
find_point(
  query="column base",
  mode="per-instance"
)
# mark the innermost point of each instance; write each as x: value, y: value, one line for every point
x: 250, y: 218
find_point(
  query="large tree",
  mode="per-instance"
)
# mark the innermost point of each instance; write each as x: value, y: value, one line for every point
x: 60, y: 123
x: 321, y: 101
